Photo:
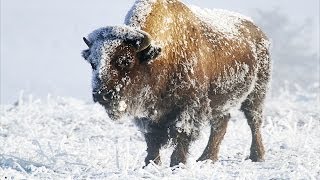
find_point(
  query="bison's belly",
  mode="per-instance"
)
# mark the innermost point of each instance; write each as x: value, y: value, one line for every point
x: 226, y: 93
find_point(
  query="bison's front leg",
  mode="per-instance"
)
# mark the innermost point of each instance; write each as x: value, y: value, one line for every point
x: 218, y: 130
x: 155, y: 138
x: 180, y: 152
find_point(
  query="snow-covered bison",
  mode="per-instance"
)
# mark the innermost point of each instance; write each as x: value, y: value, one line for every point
x: 175, y: 67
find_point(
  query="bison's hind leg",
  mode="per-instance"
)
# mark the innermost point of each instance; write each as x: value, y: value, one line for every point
x: 218, y: 130
x: 253, y: 106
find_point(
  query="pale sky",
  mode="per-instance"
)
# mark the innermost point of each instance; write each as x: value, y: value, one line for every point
x: 41, y: 40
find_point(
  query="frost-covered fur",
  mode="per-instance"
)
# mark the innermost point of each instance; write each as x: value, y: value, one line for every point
x: 200, y: 63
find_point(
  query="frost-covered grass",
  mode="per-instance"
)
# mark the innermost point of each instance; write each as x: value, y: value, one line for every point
x: 60, y: 138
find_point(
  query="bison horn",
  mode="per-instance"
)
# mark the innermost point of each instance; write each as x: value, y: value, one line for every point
x: 143, y: 43
x: 88, y: 43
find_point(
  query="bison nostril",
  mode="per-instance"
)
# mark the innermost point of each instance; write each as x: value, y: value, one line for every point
x: 102, y: 97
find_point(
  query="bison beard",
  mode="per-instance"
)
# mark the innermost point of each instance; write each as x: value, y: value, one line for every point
x: 175, y: 68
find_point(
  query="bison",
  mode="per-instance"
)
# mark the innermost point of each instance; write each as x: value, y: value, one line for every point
x: 176, y: 68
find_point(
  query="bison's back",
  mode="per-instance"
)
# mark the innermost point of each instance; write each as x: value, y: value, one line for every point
x: 207, y: 55
x: 232, y: 53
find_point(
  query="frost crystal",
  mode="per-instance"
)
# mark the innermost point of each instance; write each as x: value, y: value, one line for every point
x: 224, y: 21
x: 122, y: 106
x: 136, y: 17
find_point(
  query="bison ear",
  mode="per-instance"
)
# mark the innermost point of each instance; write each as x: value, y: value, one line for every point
x: 149, y: 54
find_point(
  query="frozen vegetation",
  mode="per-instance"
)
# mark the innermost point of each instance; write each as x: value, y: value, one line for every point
x: 60, y: 138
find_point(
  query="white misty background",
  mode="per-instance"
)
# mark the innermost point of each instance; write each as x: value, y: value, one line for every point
x: 294, y: 60
x: 41, y: 42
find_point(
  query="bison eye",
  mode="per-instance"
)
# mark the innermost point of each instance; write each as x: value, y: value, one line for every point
x: 124, y: 62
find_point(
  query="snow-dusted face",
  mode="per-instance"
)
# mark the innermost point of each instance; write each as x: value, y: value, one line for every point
x: 111, y: 60
x: 113, y: 54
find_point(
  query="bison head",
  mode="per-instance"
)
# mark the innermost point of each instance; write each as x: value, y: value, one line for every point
x: 115, y: 53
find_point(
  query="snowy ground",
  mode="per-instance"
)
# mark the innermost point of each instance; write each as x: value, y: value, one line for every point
x: 60, y: 138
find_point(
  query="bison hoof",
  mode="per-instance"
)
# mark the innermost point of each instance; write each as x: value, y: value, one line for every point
x: 154, y: 161
x: 203, y: 158
x: 255, y: 158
